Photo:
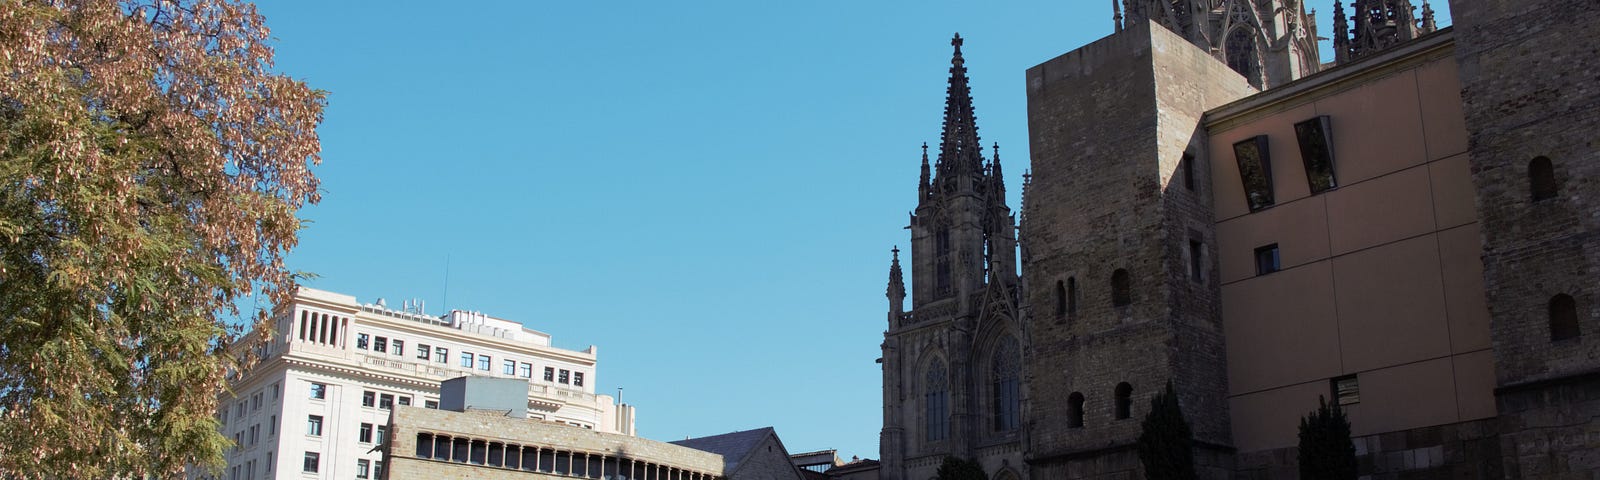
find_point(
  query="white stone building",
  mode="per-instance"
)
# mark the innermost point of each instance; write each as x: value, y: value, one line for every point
x: 316, y: 405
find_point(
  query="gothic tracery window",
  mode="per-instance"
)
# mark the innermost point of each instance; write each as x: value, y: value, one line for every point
x: 1005, y: 368
x: 936, y: 398
x: 941, y: 255
x: 1241, y: 54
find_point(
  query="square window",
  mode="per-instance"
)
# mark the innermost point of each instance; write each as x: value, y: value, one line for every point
x: 1316, y: 150
x: 310, y: 465
x: 1255, y: 171
x: 380, y: 344
x: 1346, y: 391
x: 526, y: 371
x: 466, y: 359
x: 422, y: 351
x: 386, y: 401
x: 483, y: 362
x: 314, y: 425
x: 362, y: 340
x: 549, y: 374
x: 577, y: 379
x: 369, y: 399
x: 441, y: 354
x: 365, y: 435
x: 319, y: 391
x: 1267, y: 259
x: 399, y: 347
x: 508, y: 367
x: 565, y: 374
x: 361, y: 468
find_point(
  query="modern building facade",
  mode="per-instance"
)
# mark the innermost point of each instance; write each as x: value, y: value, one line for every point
x: 1406, y: 232
x: 319, y: 400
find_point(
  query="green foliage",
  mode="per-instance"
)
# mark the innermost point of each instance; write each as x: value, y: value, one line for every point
x: 1166, y: 445
x: 960, y: 469
x: 1326, y: 452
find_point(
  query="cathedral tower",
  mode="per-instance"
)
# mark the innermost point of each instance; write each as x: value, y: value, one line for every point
x: 1269, y: 42
x: 952, y: 365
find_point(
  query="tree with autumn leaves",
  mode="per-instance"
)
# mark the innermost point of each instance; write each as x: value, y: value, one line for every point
x: 151, y: 166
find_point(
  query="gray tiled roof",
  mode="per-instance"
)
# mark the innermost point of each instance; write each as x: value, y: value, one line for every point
x: 733, y: 447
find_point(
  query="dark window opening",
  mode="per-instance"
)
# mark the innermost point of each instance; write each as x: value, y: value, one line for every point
x: 1005, y: 367
x: 1075, y: 410
x: 942, y: 261
x: 1255, y: 171
x: 1121, y: 288
x: 1542, y: 178
x: 1195, y: 263
x: 1124, y: 396
x: 311, y: 462
x: 1316, y: 150
x: 935, y: 402
x: 1061, y: 298
x: 1267, y: 259
x: 1187, y: 165
x: 1563, y: 318
x: 1346, y: 391
x: 1241, y: 51
x: 424, y: 445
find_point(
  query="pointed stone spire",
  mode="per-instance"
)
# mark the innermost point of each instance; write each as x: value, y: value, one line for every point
x: 996, y: 176
x: 1116, y: 14
x: 927, y: 181
x: 897, y: 284
x: 1428, y: 25
x: 959, y: 150
x: 1341, y: 33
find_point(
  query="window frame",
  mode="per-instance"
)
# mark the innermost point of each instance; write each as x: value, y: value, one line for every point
x: 1276, y: 264
x: 314, y: 425
x: 1311, y: 134
x: 1253, y: 156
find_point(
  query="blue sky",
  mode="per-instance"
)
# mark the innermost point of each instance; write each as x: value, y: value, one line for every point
x: 708, y: 191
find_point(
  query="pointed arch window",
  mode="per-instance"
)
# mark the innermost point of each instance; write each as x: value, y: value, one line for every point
x: 1124, y: 396
x: 1241, y: 51
x: 1542, y: 178
x: 1121, y: 288
x: 936, y: 398
x: 1075, y: 410
x: 1005, y: 366
x: 941, y: 258
x: 1563, y: 318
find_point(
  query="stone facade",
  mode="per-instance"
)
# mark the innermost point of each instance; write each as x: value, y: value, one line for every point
x: 1529, y: 72
x: 1269, y: 42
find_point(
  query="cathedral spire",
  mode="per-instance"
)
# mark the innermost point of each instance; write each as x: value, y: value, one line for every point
x: 1116, y: 15
x: 959, y: 150
x: 1341, y: 33
x: 926, y: 182
x: 897, y: 284
x: 1428, y: 25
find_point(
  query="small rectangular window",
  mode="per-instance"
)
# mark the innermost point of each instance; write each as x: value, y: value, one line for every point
x: 1255, y: 171
x: 377, y: 469
x: 1346, y: 390
x: 1188, y: 171
x: 565, y: 375
x: 434, y: 404
x: 386, y: 401
x: 1196, y: 265
x: 526, y: 370
x: 361, y: 468
x: 382, y: 430
x: 403, y: 400
x: 399, y: 347
x: 422, y: 351
x: 319, y: 391
x: 310, y: 465
x: 369, y: 399
x: 362, y: 340
x: 483, y: 362
x: 272, y: 425
x: 466, y: 359
x: 380, y: 344
x: 1267, y: 259
x: 314, y: 425
x: 508, y: 367
x: 365, y: 435
x: 549, y: 374
x: 1316, y: 150
x: 274, y: 392
x: 577, y: 379
x: 441, y: 354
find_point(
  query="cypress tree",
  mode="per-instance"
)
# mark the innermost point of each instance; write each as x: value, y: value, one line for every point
x: 1326, y: 452
x: 1166, y: 446
x: 960, y: 469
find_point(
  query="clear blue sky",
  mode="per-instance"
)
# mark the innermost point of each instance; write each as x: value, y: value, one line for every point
x: 708, y: 191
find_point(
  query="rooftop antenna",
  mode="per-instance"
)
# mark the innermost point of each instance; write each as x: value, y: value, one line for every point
x: 619, y: 396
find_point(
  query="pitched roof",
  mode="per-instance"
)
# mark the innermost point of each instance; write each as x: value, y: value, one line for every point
x: 733, y: 447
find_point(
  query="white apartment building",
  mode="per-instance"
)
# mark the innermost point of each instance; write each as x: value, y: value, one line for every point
x: 317, y: 404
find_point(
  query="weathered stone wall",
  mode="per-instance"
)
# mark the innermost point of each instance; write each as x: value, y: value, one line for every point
x: 1530, y: 74
x: 1109, y: 127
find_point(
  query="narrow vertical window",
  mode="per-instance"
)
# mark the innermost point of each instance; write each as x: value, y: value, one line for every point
x: 310, y: 465
x: 1124, y: 398
x: 365, y: 434
x: 1187, y: 164
x: 565, y: 376
x: 1542, y: 178
x: 1196, y: 265
x: 1072, y: 296
x: 1061, y: 298
x: 549, y: 374
x: 1316, y: 151
x: 424, y: 445
x: 1255, y: 171
x: 1005, y: 366
x: 936, y: 409
x: 1267, y: 259
x: 1241, y: 53
x: 1121, y: 288
x: 1563, y: 318
x: 942, y: 261
x: 1075, y: 410
x: 577, y: 379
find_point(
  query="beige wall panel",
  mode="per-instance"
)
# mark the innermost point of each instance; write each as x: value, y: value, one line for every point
x: 1475, y: 384
x: 1368, y: 138
x: 1271, y: 419
x: 1452, y: 192
x: 1288, y: 172
x: 1407, y: 396
x: 1439, y: 91
x: 1391, y: 305
x: 1465, y: 304
x: 1300, y: 229
x: 1285, y: 315
x: 1379, y: 211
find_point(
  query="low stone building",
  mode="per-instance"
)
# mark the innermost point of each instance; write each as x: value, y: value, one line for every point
x: 751, y: 454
